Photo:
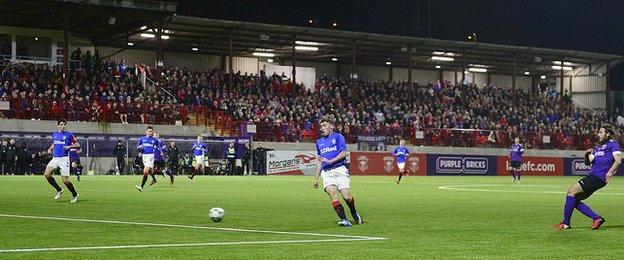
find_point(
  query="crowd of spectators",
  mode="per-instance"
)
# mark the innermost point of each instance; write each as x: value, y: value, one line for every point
x: 106, y: 92
x: 111, y: 92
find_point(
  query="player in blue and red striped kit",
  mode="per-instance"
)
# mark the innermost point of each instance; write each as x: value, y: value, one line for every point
x: 515, y: 157
x: 604, y: 159
x: 63, y: 141
x: 147, y: 145
x: 332, y: 153
x: 199, y: 150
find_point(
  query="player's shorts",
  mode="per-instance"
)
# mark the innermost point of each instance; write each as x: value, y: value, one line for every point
x: 516, y: 164
x: 148, y: 160
x: 338, y: 176
x: 590, y: 184
x: 62, y: 163
x: 199, y: 160
x: 74, y: 160
x: 160, y: 164
x: 401, y: 165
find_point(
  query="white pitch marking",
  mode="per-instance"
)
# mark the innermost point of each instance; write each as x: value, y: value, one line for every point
x: 339, y: 237
x: 188, y: 226
x: 22, y: 250
x: 467, y: 188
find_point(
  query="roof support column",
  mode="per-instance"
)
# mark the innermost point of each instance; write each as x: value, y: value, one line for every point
x: 222, y: 62
x: 608, y: 96
x: 230, y: 69
x: 570, y: 85
x: 561, y: 87
x: 409, y: 66
x: 159, y: 51
x: 463, y: 78
x: 513, y: 83
x: 354, y: 60
x: 65, y: 48
x: 294, y: 63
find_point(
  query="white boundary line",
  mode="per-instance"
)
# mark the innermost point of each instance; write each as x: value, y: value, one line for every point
x: 466, y: 187
x: 25, y: 250
x: 336, y: 238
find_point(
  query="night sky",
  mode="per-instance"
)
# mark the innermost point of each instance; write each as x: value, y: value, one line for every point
x: 587, y: 25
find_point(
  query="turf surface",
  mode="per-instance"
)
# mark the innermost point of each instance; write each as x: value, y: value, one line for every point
x: 423, y: 217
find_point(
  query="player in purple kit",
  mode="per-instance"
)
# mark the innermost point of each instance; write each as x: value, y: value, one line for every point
x: 159, y: 159
x: 604, y: 159
x: 74, y: 160
x: 160, y: 167
x: 147, y: 145
x: 199, y: 151
x: 515, y: 156
x: 401, y: 153
x: 332, y: 153
x: 63, y: 141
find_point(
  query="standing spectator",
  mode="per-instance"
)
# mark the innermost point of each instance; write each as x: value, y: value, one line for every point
x: 138, y: 163
x: 173, y: 158
x: 122, y: 68
x: 246, y: 158
x: 88, y: 61
x: 22, y: 160
x: 230, y: 154
x: 11, y: 157
x: 44, y: 159
x: 33, y: 164
x: 76, y: 57
x: 97, y: 60
x: 123, y: 114
x: 120, y: 154
x: 3, y: 161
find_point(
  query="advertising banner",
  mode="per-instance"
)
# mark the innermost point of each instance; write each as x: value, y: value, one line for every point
x: 291, y: 162
x: 372, y: 142
x: 376, y: 163
x: 461, y: 165
x: 533, y: 166
x: 575, y: 166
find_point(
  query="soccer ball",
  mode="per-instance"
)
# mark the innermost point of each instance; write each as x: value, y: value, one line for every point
x: 216, y: 214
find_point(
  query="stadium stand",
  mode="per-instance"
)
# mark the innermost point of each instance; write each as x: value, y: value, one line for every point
x: 433, y: 114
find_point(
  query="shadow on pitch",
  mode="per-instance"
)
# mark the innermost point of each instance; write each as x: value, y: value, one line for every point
x: 612, y: 227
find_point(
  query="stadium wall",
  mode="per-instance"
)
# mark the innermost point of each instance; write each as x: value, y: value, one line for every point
x: 305, y: 75
x: 329, y: 69
x: 450, y: 76
x: 20, y: 125
x: 507, y: 81
x: 370, y: 73
x: 588, y: 86
x: 244, y: 65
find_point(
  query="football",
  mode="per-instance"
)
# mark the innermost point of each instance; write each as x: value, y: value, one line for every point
x: 216, y: 214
